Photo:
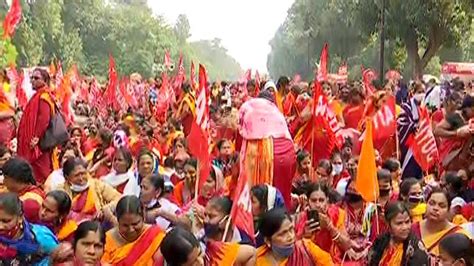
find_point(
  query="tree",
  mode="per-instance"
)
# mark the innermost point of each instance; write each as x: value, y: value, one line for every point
x: 425, y: 25
x: 182, y: 28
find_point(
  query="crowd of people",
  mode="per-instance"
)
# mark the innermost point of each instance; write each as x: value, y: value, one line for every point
x: 120, y: 188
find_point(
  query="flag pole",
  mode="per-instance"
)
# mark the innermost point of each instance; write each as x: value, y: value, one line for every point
x: 313, y: 111
x: 397, y: 144
x: 226, y: 230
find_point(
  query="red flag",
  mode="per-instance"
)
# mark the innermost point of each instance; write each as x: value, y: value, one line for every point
x: 73, y: 74
x: 257, y: 83
x: 241, y: 213
x: 198, y: 137
x: 368, y: 75
x: 322, y: 74
x: 168, y: 62
x: 110, y: 92
x: 423, y: 142
x: 12, y: 19
x: 122, y: 95
x: 163, y: 99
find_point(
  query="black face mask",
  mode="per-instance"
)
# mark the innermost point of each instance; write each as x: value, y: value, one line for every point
x: 353, y: 198
x: 384, y: 192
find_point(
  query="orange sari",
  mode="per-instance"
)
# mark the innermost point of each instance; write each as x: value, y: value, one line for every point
x: 221, y: 253
x: 67, y: 230
x: 137, y: 253
x: 392, y: 255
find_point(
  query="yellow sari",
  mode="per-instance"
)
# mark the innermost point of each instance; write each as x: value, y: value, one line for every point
x: 316, y: 254
x: 418, y: 212
x: 432, y: 240
x: 137, y: 253
x: 279, y: 101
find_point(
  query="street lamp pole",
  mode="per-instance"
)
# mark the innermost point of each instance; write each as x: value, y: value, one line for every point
x: 382, y: 41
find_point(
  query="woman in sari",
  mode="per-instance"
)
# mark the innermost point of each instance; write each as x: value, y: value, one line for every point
x: 436, y: 225
x: 121, y: 177
x: 54, y: 212
x: 398, y: 246
x: 187, y: 109
x: 132, y: 242
x: 18, y: 178
x: 264, y: 197
x: 184, y: 190
x: 267, y: 149
x: 357, y: 224
x: 100, y: 158
x: 22, y: 243
x: 146, y: 165
x: 324, y: 224
x: 457, y: 133
x: 183, y: 242
x: 281, y: 246
x: 158, y: 209
x: 56, y: 178
x: 88, y: 244
x: 303, y: 170
x: 457, y: 249
x: 412, y: 194
x: 91, y: 198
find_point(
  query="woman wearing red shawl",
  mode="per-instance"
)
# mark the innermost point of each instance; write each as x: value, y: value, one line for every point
x: 327, y: 228
x: 268, y: 150
x: 34, y: 123
x: 354, y: 111
x: 19, y: 179
x: 457, y: 132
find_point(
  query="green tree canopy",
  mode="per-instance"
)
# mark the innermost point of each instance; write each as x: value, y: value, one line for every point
x: 416, y: 31
x: 85, y: 32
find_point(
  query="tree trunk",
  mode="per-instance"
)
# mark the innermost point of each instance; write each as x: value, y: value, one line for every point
x: 411, y: 43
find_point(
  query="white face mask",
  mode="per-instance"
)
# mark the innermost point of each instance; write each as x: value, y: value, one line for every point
x: 419, y: 97
x: 337, y: 168
x: 78, y: 188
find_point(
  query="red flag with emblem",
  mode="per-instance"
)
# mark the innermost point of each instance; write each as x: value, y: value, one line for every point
x: 423, y: 142
x: 368, y: 75
x: 12, y: 19
x: 198, y: 137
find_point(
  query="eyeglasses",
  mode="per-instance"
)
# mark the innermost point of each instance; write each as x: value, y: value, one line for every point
x: 35, y: 77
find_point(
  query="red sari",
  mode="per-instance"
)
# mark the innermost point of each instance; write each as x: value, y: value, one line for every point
x: 33, y: 123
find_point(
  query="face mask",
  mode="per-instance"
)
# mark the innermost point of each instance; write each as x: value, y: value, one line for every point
x: 415, y: 199
x: 419, y: 97
x: 213, y: 229
x: 353, y: 198
x: 283, y: 251
x: 384, y: 192
x: 78, y: 188
x: 337, y: 168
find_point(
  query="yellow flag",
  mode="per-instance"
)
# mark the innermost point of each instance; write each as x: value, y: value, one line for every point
x: 366, y: 182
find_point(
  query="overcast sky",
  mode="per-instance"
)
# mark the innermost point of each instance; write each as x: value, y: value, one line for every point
x: 245, y: 26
